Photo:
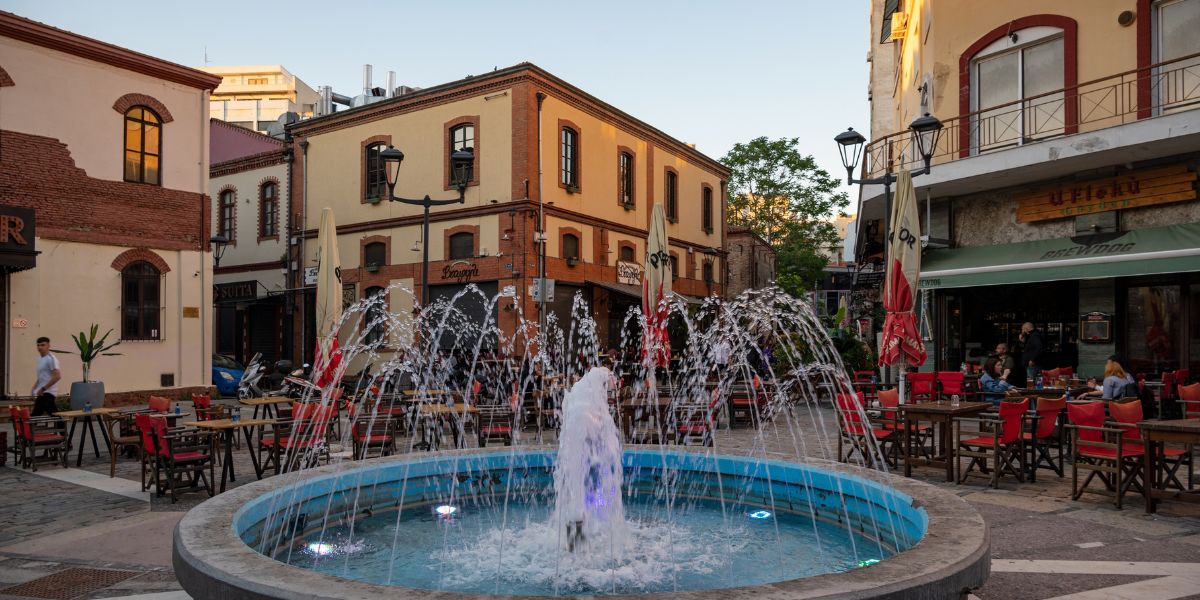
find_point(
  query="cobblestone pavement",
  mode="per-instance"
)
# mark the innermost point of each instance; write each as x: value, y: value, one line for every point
x: 1028, y: 521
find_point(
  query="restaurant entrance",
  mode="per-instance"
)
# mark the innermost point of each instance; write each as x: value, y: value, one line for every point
x: 972, y: 321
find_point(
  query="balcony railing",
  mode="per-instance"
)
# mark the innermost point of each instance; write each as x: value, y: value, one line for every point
x: 1163, y: 88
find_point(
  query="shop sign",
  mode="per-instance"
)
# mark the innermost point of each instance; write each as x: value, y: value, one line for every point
x: 17, y: 236
x: 310, y: 275
x: 1095, y: 328
x: 1140, y: 188
x: 461, y: 271
x: 238, y: 290
x: 629, y: 273
x: 869, y: 280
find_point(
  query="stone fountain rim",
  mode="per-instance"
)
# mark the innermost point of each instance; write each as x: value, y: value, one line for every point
x: 211, y: 560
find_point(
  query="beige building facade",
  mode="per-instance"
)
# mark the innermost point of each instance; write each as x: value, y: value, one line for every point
x: 1063, y: 188
x: 105, y: 200
x: 601, y: 172
x: 255, y: 96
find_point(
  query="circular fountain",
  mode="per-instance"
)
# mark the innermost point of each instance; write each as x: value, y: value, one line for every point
x: 592, y: 517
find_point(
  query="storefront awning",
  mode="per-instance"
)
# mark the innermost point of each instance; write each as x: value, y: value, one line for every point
x: 635, y: 291
x: 1171, y: 249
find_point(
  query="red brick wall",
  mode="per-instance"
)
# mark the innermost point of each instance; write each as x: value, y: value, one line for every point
x: 38, y: 172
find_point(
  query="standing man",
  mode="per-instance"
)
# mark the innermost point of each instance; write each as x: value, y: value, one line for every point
x: 1007, y: 363
x: 1031, y: 353
x: 48, y: 375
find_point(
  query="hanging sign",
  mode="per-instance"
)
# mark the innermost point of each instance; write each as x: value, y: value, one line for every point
x: 461, y: 271
x: 629, y: 273
x: 1140, y: 188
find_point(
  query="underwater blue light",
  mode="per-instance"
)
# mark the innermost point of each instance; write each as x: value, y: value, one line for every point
x: 446, y: 510
x: 320, y: 548
x: 760, y: 514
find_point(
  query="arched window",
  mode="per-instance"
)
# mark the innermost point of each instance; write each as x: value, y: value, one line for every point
x: 462, y: 245
x: 140, y: 301
x: 143, y: 146
x: 570, y: 246
x: 671, y: 192
x: 268, y: 210
x: 569, y: 165
x: 376, y: 183
x: 462, y: 137
x: 376, y: 315
x: 225, y: 218
x: 626, y: 253
x: 375, y: 254
x: 625, y: 179
x: 706, y: 210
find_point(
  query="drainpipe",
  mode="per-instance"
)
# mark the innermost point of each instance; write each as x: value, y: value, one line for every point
x: 300, y: 258
x: 205, y: 307
x: 541, y: 232
x: 290, y: 158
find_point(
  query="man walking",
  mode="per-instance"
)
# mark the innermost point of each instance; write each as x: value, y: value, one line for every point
x: 1031, y: 353
x: 48, y: 375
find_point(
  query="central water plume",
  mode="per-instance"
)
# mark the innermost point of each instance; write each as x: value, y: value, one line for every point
x: 587, y: 472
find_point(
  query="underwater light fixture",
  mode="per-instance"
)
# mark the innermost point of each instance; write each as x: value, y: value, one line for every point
x: 760, y: 514
x: 868, y: 562
x: 445, y: 510
x: 320, y: 548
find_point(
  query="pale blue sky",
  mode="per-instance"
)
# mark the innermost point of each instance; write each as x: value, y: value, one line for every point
x: 707, y: 72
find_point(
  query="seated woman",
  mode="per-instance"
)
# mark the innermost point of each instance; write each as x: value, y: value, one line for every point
x: 993, y: 382
x: 1116, y: 378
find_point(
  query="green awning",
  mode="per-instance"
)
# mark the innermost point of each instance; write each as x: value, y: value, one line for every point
x: 1171, y: 249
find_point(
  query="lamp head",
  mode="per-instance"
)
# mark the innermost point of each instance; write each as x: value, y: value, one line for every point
x: 461, y: 162
x: 391, y: 158
x: 850, y: 143
x: 926, y: 131
x: 218, y: 243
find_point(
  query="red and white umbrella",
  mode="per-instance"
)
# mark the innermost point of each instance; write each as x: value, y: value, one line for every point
x: 656, y: 286
x: 328, y: 356
x: 901, y: 339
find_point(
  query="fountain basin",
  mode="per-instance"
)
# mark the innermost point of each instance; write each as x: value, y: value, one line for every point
x: 941, y: 543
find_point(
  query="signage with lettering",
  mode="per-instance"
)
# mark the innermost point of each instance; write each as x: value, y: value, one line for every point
x: 17, y: 237
x: 461, y: 271
x: 1140, y: 188
x: 629, y: 273
x: 238, y: 290
x: 1095, y: 328
x: 536, y: 287
x: 310, y: 275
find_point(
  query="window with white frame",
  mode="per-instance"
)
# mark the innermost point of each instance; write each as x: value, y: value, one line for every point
x: 1016, y: 89
x: 1176, y: 35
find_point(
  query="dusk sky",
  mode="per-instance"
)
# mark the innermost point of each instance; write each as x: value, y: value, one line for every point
x: 706, y: 72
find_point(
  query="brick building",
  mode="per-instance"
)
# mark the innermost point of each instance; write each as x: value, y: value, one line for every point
x: 103, y: 190
x: 750, y: 261
x: 602, y: 170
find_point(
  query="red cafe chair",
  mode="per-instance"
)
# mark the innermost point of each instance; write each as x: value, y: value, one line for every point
x: 1003, y: 445
x: 1101, y: 451
x: 1126, y: 416
x: 920, y: 387
x: 859, y: 434
x: 1046, y: 435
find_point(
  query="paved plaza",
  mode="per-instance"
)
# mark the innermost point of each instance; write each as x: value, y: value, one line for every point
x: 76, y: 533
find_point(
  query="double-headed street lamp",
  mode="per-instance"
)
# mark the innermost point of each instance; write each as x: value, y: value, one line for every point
x: 925, y: 132
x: 460, y: 163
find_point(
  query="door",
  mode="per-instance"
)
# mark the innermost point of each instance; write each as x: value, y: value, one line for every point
x: 949, y: 326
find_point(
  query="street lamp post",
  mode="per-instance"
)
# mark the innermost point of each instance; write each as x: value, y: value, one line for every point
x: 218, y: 243
x: 460, y: 161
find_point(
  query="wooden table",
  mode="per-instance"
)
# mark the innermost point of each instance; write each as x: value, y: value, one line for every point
x: 267, y: 403
x: 942, y: 415
x: 227, y: 428
x: 74, y: 416
x: 640, y: 408
x: 436, y: 413
x: 1052, y: 392
x: 1154, y: 433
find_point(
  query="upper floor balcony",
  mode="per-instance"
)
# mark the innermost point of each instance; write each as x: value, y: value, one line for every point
x: 1127, y: 117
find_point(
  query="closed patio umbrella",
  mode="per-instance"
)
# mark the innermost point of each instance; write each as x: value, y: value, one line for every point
x: 656, y: 285
x: 901, y: 340
x: 329, y: 301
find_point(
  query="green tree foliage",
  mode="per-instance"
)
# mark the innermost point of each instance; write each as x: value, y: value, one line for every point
x: 782, y: 195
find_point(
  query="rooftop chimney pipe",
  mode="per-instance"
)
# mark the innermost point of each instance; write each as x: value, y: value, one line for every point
x: 391, y: 84
x: 367, y: 80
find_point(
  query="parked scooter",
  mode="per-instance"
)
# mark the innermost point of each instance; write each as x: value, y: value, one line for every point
x: 249, y: 385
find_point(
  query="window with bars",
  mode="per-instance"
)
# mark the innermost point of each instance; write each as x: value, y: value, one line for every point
x: 376, y: 173
x: 625, y: 179
x: 140, y: 302
x: 225, y: 222
x: 268, y: 210
x: 143, y: 146
x: 569, y: 164
x: 462, y: 137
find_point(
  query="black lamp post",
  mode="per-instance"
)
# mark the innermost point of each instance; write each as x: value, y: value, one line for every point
x: 218, y: 243
x: 460, y: 163
x: 925, y: 132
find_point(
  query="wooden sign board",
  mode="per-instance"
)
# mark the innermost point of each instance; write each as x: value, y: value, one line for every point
x: 1140, y: 188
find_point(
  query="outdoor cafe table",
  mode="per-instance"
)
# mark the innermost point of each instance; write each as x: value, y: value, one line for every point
x: 226, y: 428
x: 941, y: 414
x: 74, y: 416
x: 267, y: 403
x: 639, y: 408
x: 436, y: 413
x: 1154, y: 433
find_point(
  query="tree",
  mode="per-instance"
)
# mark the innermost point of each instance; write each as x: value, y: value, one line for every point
x: 783, y: 196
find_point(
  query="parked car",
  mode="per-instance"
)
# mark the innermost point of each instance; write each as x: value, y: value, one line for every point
x: 226, y: 373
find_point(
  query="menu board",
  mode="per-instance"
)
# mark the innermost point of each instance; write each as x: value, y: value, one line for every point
x: 1095, y: 328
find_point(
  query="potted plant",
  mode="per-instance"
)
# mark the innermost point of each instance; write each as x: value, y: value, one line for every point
x: 89, y: 349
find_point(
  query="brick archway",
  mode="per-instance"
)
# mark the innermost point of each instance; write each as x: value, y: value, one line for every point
x: 133, y: 255
x: 5, y: 79
x: 128, y: 101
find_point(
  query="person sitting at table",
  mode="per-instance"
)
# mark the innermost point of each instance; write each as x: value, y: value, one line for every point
x: 1007, y: 362
x: 1118, y: 383
x: 994, y: 382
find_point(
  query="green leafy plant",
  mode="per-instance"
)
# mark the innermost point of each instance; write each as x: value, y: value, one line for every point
x: 89, y: 348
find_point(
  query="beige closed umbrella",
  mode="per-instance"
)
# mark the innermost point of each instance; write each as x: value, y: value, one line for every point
x: 656, y: 286
x: 329, y: 301
x: 901, y: 340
